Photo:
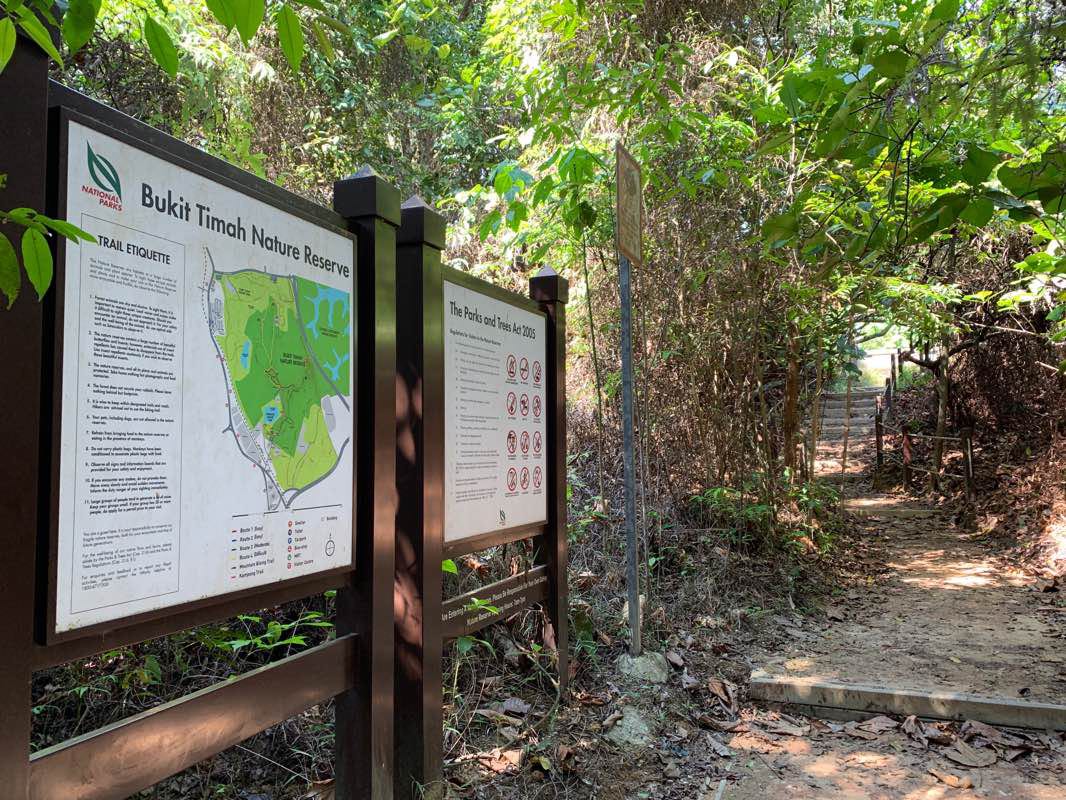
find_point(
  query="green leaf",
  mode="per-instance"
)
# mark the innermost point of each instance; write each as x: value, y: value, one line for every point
x: 779, y: 228
x: 416, y: 44
x: 33, y: 28
x: 248, y: 16
x: 222, y: 10
x: 447, y: 565
x: 978, y: 165
x: 10, y: 277
x: 978, y: 212
x: 317, y: 5
x: 383, y: 39
x: 7, y: 41
x: 161, y: 45
x: 79, y: 23
x: 291, y: 37
x: 945, y: 11
x: 66, y: 229
x: 324, y: 44
x: 892, y: 63
x: 37, y: 260
x: 1052, y: 198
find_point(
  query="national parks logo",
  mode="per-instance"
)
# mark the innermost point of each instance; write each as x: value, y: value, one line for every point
x: 108, y: 188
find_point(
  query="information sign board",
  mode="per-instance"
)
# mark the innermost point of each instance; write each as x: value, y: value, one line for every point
x: 495, y: 426
x: 207, y: 375
x: 629, y: 211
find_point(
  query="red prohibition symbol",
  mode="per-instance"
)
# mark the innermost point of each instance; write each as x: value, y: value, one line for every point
x: 524, y: 441
x: 512, y: 479
x: 536, y: 441
x: 510, y: 366
x: 512, y: 403
x: 536, y: 372
x: 511, y: 441
x: 524, y: 403
x: 536, y: 405
x: 523, y: 368
x: 525, y: 478
x: 538, y: 477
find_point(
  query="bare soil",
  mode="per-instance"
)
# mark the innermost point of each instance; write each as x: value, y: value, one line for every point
x: 930, y: 607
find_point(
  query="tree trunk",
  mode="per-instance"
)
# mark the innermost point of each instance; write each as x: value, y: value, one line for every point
x: 788, y: 423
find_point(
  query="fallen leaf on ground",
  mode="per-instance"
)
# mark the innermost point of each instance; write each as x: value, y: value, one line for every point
x: 496, y: 716
x: 675, y: 659
x: 972, y: 729
x: 779, y: 726
x: 725, y: 692
x: 687, y: 681
x: 720, y: 749
x: 954, y: 781
x: 853, y: 729
x: 835, y: 614
x: 962, y: 753
x: 500, y: 760
x: 879, y: 724
x: 515, y: 705
x: 611, y: 719
x: 592, y: 698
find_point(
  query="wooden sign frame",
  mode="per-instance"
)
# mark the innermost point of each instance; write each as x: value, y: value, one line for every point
x: 355, y: 667
x: 424, y: 622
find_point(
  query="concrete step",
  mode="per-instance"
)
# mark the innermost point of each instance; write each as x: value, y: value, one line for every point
x: 855, y: 394
x: 830, y: 699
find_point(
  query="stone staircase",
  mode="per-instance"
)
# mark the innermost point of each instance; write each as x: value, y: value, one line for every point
x: 834, y: 419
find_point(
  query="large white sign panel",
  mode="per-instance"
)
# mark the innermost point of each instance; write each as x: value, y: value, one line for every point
x: 495, y: 435
x: 206, y: 441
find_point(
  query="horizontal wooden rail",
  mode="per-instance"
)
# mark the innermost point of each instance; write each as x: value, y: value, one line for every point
x: 461, y: 616
x: 473, y: 544
x: 118, y: 760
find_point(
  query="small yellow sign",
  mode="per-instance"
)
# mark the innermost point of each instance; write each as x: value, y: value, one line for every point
x: 629, y: 206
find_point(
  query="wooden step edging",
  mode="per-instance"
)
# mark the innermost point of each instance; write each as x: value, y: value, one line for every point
x: 834, y: 698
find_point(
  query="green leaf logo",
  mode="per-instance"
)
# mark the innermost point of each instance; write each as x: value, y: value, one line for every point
x: 103, y: 173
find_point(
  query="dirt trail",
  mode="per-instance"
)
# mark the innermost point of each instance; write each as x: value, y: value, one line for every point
x: 934, y: 610
x: 928, y: 608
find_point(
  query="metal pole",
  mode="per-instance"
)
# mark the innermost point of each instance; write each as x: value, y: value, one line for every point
x: 632, y: 577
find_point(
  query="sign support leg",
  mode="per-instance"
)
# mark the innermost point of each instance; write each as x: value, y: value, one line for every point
x: 632, y: 576
x: 419, y: 420
x: 23, y: 130
x: 365, y: 714
x: 551, y: 291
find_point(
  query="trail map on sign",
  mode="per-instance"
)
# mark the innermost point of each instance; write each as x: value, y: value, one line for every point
x: 284, y: 342
x: 207, y: 431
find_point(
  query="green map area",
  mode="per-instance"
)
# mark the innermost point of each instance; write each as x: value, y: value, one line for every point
x: 286, y: 344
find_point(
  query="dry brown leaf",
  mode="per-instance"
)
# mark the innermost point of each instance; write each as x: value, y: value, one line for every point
x: 954, y: 781
x: 611, y: 719
x: 720, y: 749
x: 498, y: 717
x: 972, y: 729
x: 501, y: 760
x: 725, y: 692
x: 592, y: 698
x: 878, y: 724
x: 913, y: 728
x: 853, y: 729
x: 687, y: 681
x: 675, y: 659
x: 962, y: 753
x: 779, y: 726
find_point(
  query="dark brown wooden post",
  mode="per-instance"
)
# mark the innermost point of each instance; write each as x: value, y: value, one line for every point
x: 906, y: 459
x: 966, y: 435
x: 23, y: 131
x: 879, y: 433
x: 419, y: 423
x: 892, y: 378
x: 551, y: 291
x: 364, y: 606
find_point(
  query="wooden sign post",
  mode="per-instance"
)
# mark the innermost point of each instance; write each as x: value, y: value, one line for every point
x: 146, y: 426
x: 480, y: 462
x: 630, y: 251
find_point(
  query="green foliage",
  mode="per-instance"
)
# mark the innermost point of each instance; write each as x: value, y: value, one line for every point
x: 161, y: 46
